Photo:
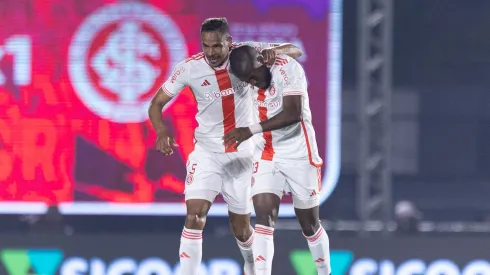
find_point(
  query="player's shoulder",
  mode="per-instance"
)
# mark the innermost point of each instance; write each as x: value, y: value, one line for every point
x: 288, y: 64
x: 287, y: 70
x: 185, y: 68
x: 283, y: 60
x: 192, y: 63
x: 254, y: 45
x: 259, y: 46
x: 235, y: 45
x: 195, y: 60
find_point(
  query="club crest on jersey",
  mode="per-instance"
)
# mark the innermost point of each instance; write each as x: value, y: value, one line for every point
x: 189, y: 179
x: 272, y: 90
x: 119, y: 56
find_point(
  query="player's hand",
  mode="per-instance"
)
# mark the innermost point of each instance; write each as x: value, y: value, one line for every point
x: 238, y: 135
x: 165, y: 142
x: 268, y: 56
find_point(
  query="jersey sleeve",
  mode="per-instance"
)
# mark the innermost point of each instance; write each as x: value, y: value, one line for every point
x: 292, y: 79
x: 178, y: 80
x: 259, y: 46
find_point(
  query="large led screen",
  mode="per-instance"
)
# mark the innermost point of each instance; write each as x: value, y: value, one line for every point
x: 76, y: 78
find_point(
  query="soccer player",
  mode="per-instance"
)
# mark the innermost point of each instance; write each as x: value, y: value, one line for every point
x: 286, y: 155
x: 223, y: 104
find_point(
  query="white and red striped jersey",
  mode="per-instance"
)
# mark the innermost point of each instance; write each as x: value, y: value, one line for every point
x: 223, y: 102
x: 296, y: 142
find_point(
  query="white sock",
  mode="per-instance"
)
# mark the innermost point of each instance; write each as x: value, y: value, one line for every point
x: 247, y: 253
x: 319, y: 247
x: 263, y: 249
x: 190, y: 251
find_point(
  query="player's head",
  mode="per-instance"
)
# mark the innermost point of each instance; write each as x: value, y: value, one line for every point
x: 216, y: 40
x: 245, y: 64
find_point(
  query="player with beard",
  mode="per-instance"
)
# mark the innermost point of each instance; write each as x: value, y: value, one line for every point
x: 223, y: 104
x: 286, y: 155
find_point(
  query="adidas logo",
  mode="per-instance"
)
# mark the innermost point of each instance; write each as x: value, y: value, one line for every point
x: 184, y: 255
x: 260, y: 258
x: 205, y: 83
x: 313, y: 193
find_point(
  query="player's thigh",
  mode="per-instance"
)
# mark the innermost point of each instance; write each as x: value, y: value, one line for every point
x: 236, y: 185
x: 204, y: 177
x: 267, y: 179
x: 304, y: 182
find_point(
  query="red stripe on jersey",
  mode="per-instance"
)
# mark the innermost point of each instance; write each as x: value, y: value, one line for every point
x: 197, y: 56
x: 280, y: 61
x: 310, y: 156
x: 268, y: 152
x: 227, y: 103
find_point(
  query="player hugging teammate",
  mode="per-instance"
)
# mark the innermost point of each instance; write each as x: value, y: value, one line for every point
x: 282, y: 155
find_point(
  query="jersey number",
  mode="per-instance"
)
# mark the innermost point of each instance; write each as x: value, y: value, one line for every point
x: 256, y: 167
x: 193, y: 168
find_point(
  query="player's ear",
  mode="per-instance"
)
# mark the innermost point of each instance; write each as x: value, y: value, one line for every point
x: 260, y: 59
x: 230, y: 39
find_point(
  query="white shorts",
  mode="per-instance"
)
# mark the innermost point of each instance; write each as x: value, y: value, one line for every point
x: 210, y: 173
x: 303, y: 180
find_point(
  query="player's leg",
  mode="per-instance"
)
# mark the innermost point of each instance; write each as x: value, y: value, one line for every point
x: 316, y: 237
x: 305, y: 185
x: 266, y: 207
x: 190, y: 251
x: 202, y: 186
x: 244, y: 235
x: 267, y: 192
x: 237, y: 194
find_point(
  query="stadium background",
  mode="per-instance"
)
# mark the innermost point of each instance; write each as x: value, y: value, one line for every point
x: 75, y: 79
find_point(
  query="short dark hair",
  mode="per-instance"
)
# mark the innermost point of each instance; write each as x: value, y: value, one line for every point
x: 215, y: 25
x: 241, y: 60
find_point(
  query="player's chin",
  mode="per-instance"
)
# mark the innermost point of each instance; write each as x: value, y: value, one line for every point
x: 215, y: 62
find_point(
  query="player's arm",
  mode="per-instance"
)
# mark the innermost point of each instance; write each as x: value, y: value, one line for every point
x: 269, y: 51
x: 165, y: 140
x: 155, y: 110
x: 171, y: 87
x: 290, y: 114
x: 287, y: 49
x: 293, y: 86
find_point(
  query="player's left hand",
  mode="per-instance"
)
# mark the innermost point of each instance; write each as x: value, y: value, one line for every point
x: 268, y: 56
x: 238, y: 135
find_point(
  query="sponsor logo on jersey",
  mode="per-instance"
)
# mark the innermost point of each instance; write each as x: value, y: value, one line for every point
x: 268, y: 105
x: 218, y: 94
x: 284, y: 76
x: 176, y: 74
